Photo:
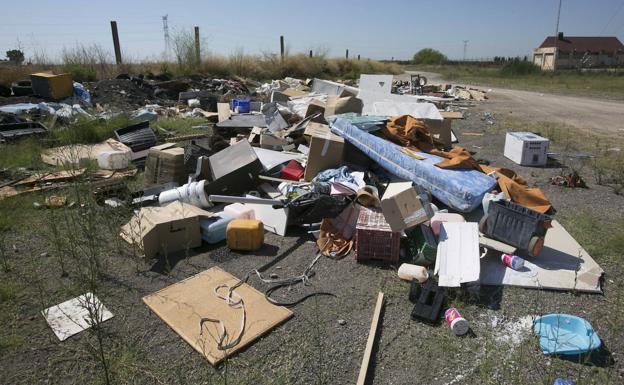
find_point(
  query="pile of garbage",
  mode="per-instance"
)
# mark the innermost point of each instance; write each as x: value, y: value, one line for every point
x: 370, y: 171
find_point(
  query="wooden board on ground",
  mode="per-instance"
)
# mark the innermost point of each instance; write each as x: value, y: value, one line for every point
x: 452, y: 114
x: 371, y: 340
x: 56, y: 176
x: 183, y: 304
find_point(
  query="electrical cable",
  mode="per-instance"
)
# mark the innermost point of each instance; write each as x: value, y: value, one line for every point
x: 238, y: 303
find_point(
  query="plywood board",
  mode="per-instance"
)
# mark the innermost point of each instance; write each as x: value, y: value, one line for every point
x: 452, y: 114
x: 183, y: 304
x: 73, y: 316
x: 51, y: 177
x: 563, y: 264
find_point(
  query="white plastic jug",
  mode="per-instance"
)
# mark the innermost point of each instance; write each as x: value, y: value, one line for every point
x: 410, y: 272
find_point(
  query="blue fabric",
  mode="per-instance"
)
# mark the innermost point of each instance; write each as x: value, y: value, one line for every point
x: 461, y: 190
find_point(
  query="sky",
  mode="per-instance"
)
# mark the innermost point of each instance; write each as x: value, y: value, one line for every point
x: 376, y: 29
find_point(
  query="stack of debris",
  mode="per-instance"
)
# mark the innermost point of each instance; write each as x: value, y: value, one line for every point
x: 368, y: 171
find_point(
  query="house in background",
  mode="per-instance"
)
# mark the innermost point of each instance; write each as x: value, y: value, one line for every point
x: 579, y: 52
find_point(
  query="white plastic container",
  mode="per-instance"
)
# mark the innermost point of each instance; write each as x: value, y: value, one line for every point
x: 192, y: 193
x: 239, y: 211
x: 411, y: 272
x: 214, y: 230
x: 526, y: 148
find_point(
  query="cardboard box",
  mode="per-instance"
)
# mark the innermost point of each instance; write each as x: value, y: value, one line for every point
x: 402, y: 207
x: 314, y: 107
x: 163, y: 230
x: 326, y: 151
x: 165, y: 163
x: 233, y: 170
x: 314, y: 128
x: 50, y: 86
x: 340, y: 105
x: 272, y: 142
x: 526, y: 148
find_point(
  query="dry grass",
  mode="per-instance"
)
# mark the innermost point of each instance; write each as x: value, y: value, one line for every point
x: 87, y: 63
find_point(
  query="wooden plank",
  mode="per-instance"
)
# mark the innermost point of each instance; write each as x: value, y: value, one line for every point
x: 371, y: 339
x: 452, y: 114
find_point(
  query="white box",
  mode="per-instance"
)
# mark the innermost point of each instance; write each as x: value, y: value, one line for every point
x: 526, y: 148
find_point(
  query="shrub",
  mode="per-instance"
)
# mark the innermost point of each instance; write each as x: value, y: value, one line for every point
x: 81, y: 73
x: 518, y: 67
x: 429, y: 56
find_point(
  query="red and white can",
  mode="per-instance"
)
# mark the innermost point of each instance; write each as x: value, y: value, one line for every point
x: 512, y: 261
x: 457, y: 323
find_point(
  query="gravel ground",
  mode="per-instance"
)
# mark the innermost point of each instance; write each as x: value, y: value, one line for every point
x: 312, y: 347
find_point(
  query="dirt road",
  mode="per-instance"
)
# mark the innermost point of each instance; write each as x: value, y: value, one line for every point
x: 600, y: 116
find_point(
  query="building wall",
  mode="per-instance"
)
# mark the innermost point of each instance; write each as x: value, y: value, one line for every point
x: 545, y: 57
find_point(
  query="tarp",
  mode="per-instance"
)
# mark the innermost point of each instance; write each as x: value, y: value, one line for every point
x: 461, y: 190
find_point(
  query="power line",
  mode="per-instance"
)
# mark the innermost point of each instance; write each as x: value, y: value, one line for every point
x: 612, y: 17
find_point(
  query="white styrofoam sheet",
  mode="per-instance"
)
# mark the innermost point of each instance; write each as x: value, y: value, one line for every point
x: 369, y: 98
x: 376, y: 83
x: 457, y: 258
x: 73, y: 316
x: 415, y: 109
x: 563, y: 264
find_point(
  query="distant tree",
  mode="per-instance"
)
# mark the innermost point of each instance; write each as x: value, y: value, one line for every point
x: 15, y: 56
x: 429, y: 56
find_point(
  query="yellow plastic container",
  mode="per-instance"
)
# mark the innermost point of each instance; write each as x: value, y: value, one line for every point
x: 50, y: 86
x: 245, y: 234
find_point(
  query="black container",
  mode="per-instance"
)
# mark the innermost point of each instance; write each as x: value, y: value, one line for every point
x: 516, y: 225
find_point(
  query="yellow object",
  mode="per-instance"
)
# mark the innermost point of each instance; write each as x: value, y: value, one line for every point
x: 55, y: 87
x: 245, y: 234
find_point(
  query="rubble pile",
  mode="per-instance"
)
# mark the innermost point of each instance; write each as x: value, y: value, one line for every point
x: 373, y: 171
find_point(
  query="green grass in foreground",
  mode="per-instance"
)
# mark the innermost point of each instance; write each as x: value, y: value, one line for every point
x: 603, y: 84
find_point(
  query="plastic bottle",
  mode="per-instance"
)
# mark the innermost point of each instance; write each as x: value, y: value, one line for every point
x: 214, y: 230
x: 411, y: 272
x: 512, y: 261
x: 239, y: 211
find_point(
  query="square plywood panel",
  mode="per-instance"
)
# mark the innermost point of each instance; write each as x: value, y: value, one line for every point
x: 183, y: 304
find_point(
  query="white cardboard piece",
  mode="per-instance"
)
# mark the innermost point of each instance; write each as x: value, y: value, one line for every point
x: 457, y: 259
x: 73, y: 316
x: 376, y: 83
x: 563, y: 264
x: 416, y: 110
x: 270, y: 158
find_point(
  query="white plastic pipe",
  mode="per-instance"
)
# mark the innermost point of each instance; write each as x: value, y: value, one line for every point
x: 192, y: 193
